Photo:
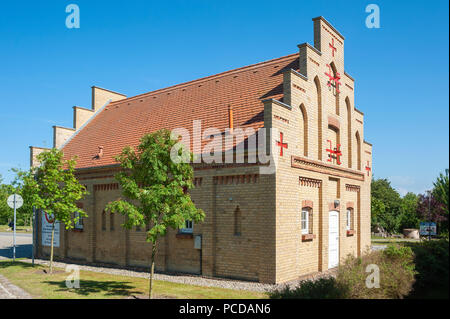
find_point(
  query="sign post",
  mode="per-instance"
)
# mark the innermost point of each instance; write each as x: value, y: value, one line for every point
x: 15, y: 201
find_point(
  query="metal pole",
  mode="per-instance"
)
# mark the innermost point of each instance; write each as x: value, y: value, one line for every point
x: 33, y: 232
x: 14, y: 245
x: 429, y: 215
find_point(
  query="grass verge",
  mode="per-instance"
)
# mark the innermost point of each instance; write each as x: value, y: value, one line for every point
x: 106, y: 286
x: 19, y: 229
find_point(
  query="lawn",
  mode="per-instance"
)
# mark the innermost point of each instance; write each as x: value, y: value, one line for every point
x: 105, y: 286
x: 388, y: 240
x: 19, y: 229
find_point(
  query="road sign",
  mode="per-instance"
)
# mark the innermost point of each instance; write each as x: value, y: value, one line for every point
x: 427, y: 228
x: 15, y: 199
x: 46, y: 233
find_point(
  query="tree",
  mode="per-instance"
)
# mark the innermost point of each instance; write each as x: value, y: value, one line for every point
x: 6, y: 212
x: 53, y: 189
x: 430, y: 209
x: 409, y: 218
x: 24, y: 213
x: 155, y: 190
x: 441, y: 194
x: 385, y: 205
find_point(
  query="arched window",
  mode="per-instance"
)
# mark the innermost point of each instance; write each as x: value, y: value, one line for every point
x: 304, y: 129
x: 237, y: 222
x: 334, y: 142
x: 336, y: 88
x: 349, y: 132
x: 319, y: 118
x: 358, y: 151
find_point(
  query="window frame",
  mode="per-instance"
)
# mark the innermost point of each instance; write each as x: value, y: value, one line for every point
x: 305, y: 230
x: 187, y: 230
x: 79, y: 224
x: 348, y: 224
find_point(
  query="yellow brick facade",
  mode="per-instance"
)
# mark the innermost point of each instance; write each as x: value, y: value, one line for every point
x: 267, y: 245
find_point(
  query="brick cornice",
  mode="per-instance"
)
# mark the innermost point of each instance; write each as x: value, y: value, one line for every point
x: 320, y: 167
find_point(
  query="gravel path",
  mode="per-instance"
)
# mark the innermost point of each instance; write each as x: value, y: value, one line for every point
x: 189, y: 279
x: 9, y: 291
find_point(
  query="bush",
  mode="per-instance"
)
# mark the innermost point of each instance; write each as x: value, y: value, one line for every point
x: 396, y: 270
x: 323, y: 288
x: 432, y: 263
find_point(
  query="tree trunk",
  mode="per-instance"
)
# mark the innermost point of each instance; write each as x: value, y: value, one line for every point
x: 152, y: 270
x: 51, y: 249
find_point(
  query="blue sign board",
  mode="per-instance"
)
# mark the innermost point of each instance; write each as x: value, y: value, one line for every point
x: 427, y: 228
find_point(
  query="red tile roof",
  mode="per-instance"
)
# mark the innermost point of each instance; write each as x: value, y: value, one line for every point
x: 124, y: 122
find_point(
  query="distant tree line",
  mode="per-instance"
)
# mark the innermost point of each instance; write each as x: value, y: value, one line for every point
x: 394, y: 213
x: 25, y: 213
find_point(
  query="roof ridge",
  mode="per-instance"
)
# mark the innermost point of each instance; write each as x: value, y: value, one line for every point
x: 201, y: 80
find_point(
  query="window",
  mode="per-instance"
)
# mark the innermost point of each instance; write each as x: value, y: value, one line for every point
x: 188, y: 227
x: 79, y: 222
x: 349, y: 224
x: 305, y: 221
x: 349, y: 213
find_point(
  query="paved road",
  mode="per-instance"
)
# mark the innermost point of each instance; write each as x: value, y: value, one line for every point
x: 23, y: 250
x: 23, y: 245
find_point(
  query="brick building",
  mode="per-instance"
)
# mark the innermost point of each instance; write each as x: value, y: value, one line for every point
x: 308, y: 215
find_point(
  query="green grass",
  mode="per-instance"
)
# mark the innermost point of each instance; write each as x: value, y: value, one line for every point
x: 104, y: 286
x: 19, y: 229
x: 387, y: 241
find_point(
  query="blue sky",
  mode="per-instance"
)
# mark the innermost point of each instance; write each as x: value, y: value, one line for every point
x: 133, y: 47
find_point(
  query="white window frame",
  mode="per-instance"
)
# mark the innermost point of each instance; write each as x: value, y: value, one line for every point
x: 79, y: 223
x: 189, y: 227
x: 349, y: 217
x: 305, y: 230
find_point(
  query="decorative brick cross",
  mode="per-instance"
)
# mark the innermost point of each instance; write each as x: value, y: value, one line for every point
x: 368, y: 169
x: 333, y: 48
x: 281, y: 144
x: 334, y: 153
x: 333, y: 80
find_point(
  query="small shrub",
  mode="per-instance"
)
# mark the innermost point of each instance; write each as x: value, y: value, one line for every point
x: 323, y: 288
x: 396, y: 270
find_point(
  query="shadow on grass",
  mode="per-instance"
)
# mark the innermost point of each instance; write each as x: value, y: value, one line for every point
x: 6, y: 264
x: 108, y: 288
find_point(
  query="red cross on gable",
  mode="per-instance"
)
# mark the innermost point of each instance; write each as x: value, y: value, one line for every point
x: 333, y: 48
x: 333, y: 80
x: 281, y: 144
x: 334, y: 153
x: 368, y: 169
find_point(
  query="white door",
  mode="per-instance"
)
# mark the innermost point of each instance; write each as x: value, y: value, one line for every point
x: 333, y: 239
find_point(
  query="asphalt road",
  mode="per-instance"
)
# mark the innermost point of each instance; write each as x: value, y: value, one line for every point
x: 23, y: 245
